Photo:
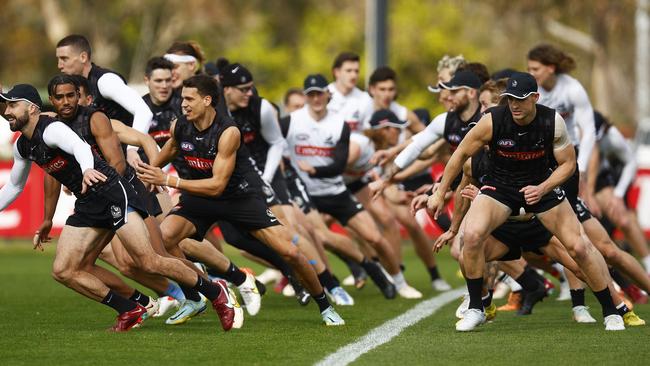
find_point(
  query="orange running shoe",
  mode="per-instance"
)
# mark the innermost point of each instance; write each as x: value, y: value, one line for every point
x: 513, y: 304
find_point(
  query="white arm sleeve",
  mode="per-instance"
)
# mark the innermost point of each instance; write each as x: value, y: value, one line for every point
x: 584, y: 117
x: 17, y: 179
x: 422, y: 140
x: 59, y: 135
x: 112, y: 87
x: 561, y: 135
x: 270, y: 129
x: 624, y: 153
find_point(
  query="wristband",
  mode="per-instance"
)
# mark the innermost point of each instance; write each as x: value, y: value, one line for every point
x: 167, y: 180
x: 178, y: 181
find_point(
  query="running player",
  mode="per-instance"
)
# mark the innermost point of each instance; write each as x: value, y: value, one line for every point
x: 523, y: 140
x: 106, y: 204
x: 222, y: 185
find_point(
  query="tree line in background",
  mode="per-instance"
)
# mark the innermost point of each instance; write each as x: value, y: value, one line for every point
x: 282, y: 41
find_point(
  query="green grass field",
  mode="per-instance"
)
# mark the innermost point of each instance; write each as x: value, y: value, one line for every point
x: 45, y: 323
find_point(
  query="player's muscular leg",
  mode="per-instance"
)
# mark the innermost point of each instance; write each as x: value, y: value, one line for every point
x: 205, y: 253
x: 304, y: 228
x: 422, y: 245
x: 382, y: 214
x: 336, y: 242
x: 363, y: 224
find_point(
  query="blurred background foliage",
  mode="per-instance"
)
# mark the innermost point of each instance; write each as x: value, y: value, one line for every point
x: 281, y: 41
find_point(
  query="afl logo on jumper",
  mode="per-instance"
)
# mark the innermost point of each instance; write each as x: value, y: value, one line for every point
x: 506, y: 143
x: 187, y: 146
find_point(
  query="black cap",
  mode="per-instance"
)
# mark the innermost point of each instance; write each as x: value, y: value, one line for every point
x: 462, y: 79
x: 235, y: 74
x: 211, y: 68
x: 520, y: 85
x: 385, y: 118
x: 23, y: 92
x: 502, y: 74
x: 314, y: 82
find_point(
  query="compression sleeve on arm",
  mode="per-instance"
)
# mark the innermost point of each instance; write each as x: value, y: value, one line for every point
x: 270, y: 129
x: 422, y: 140
x: 17, y: 179
x: 584, y: 117
x: 624, y: 153
x: 340, y: 157
x: 59, y: 135
x: 113, y: 87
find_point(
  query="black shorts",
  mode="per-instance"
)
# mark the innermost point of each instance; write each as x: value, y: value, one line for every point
x: 518, y: 236
x: 511, y: 197
x: 342, y: 206
x: 605, y: 179
x: 357, y: 185
x: 279, y: 185
x: 245, y: 213
x: 148, y: 198
x: 108, y: 210
x: 299, y: 195
x: 413, y: 183
x: 571, y: 187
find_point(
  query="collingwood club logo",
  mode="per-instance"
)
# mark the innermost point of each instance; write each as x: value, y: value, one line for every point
x: 116, y: 212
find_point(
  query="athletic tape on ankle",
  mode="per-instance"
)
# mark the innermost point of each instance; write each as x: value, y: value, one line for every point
x: 312, y: 262
x: 295, y: 239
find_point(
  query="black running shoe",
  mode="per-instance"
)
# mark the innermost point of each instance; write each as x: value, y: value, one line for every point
x: 530, y: 298
x: 301, y: 294
x: 260, y: 287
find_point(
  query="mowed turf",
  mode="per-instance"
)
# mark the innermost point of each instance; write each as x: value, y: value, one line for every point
x: 46, y: 323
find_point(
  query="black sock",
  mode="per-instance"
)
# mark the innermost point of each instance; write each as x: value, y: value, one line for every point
x: 475, y: 287
x: 619, y: 278
x: 622, y: 309
x: 354, y: 267
x: 578, y: 297
x: 487, y: 300
x: 139, y: 298
x: 376, y: 259
x: 235, y: 275
x: 119, y: 303
x: 402, y: 267
x: 433, y: 273
x: 190, y: 293
x: 605, y: 299
x: 528, y: 280
x: 207, y: 288
x: 214, y: 273
x: 322, y: 301
x: 336, y: 280
x: 326, y: 280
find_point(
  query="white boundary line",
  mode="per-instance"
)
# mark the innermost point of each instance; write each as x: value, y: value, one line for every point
x: 389, y: 330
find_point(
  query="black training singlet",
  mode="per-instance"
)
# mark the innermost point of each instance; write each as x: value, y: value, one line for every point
x: 521, y: 155
x: 163, y: 116
x: 456, y: 129
x: 61, y: 165
x: 198, y: 149
x: 249, y: 122
x: 111, y: 108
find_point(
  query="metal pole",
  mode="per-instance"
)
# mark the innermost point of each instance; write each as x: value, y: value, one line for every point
x: 376, y: 19
x: 642, y: 24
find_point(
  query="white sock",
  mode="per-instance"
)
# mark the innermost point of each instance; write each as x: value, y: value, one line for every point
x: 514, y: 286
x: 646, y: 263
x: 399, y: 280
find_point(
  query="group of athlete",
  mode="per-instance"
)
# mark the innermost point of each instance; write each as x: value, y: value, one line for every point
x: 154, y: 176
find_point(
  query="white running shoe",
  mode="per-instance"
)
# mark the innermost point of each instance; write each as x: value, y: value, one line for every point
x: 165, y: 305
x: 152, y: 308
x: 238, y: 320
x: 472, y: 319
x: 462, y: 308
x: 581, y: 315
x: 614, y: 322
x: 250, y: 295
x: 348, y: 281
x: 440, y: 285
x: 565, y: 292
x: 288, y: 291
x: 409, y: 292
x: 331, y: 317
x: 269, y: 275
x: 188, y: 310
x: 340, y: 297
x: 501, y: 291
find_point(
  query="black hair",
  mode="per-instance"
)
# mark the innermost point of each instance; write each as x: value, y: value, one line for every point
x: 549, y: 55
x: 382, y: 73
x: 61, y: 79
x: 190, y: 48
x: 205, y: 85
x: 77, y: 41
x: 478, y: 69
x: 344, y: 57
x: 158, y: 63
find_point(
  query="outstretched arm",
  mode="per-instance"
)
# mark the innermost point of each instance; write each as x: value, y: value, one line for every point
x: 130, y: 136
x: 17, y: 179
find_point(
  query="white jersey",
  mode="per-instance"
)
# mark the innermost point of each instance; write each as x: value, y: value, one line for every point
x: 571, y: 101
x: 313, y: 142
x: 615, y: 147
x: 357, y: 108
x: 362, y: 165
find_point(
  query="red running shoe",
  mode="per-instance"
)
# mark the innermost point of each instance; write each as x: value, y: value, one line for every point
x: 635, y: 294
x: 224, y: 307
x: 129, y: 319
x: 549, y: 287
